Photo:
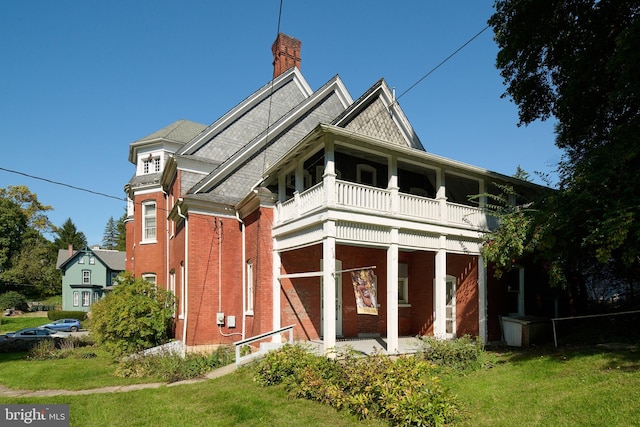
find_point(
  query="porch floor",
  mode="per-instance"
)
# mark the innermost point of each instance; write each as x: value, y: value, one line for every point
x: 367, y: 346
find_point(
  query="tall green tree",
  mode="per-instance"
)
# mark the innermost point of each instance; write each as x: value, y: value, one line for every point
x: 68, y: 234
x: 578, y: 62
x: 33, y: 268
x: 27, y: 259
x: 121, y: 240
x: 13, y: 224
x: 110, y: 235
x: 30, y: 206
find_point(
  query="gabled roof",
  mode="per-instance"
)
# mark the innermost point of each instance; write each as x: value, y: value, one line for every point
x: 114, y: 260
x: 247, y: 119
x: 377, y: 114
x: 231, y: 133
x: 235, y: 177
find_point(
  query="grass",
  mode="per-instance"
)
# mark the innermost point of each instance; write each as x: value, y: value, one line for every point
x: 566, y: 387
x: 228, y: 401
x: 27, y: 320
x: 72, y: 373
x: 571, y: 386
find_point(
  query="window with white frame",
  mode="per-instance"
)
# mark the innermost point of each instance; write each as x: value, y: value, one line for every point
x: 151, y: 164
x: 76, y: 298
x: 81, y: 259
x: 96, y: 296
x: 86, y: 298
x: 92, y: 260
x: 149, y: 277
x: 86, y: 277
x: 149, y: 221
x: 250, y: 289
x: 403, y: 284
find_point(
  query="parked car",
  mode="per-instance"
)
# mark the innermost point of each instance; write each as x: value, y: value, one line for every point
x: 69, y: 325
x: 36, y: 334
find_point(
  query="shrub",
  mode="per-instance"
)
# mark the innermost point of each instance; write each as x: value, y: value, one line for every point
x: 403, y: 391
x: 59, y: 349
x: 135, y: 316
x: 459, y: 354
x: 170, y: 366
x: 59, y: 314
x: 13, y: 299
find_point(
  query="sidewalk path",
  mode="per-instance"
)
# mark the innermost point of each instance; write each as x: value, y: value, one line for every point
x: 7, y: 392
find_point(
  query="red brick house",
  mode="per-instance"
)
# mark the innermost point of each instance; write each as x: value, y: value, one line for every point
x: 258, y: 220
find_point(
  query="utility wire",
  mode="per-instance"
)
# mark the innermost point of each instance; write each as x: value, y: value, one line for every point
x: 122, y: 199
x: 443, y: 62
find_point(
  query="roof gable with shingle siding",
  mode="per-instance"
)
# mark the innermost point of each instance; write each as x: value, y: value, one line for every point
x: 114, y: 260
x: 378, y: 115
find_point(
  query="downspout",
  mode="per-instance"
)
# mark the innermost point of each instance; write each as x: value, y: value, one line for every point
x: 166, y: 243
x: 185, y: 278
x: 244, y: 274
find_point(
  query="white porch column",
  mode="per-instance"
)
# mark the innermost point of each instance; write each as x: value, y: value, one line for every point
x: 392, y: 293
x: 276, y: 292
x: 440, y: 287
x: 392, y: 185
x: 441, y: 195
x: 482, y: 300
x: 329, y: 285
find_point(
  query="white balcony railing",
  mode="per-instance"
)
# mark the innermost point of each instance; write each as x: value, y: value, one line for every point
x: 360, y: 197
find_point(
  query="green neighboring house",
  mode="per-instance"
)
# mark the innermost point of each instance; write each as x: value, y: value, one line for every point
x: 87, y: 274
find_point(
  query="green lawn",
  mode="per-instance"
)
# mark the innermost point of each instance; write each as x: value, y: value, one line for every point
x: 547, y: 387
x: 565, y: 387
x: 30, y: 320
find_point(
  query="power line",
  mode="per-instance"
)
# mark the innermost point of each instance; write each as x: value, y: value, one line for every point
x: 122, y: 199
x: 443, y: 62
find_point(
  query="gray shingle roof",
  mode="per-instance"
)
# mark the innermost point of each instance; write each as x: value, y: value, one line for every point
x: 236, y: 185
x: 179, y: 131
x: 115, y: 260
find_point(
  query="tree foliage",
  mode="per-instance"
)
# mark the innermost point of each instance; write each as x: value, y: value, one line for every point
x: 134, y: 316
x: 33, y: 267
x: 110, y: 235
x: 121, y: 239
x: 578, y: 61
x: 12, y: 299
x: 29, y: 204
x: 13, y: 224
x: 68, y: 234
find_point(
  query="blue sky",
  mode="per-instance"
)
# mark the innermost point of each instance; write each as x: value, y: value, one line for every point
x: 81, y: 80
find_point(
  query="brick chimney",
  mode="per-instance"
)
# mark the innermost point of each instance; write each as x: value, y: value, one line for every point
x: 70, y: 250
x: 286, y: 54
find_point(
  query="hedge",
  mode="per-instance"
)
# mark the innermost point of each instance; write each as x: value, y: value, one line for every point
x: 59, y: 314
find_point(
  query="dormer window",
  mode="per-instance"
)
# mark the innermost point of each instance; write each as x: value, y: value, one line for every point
x: 151, y: 164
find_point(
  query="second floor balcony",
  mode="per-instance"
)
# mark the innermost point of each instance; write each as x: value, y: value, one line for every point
x: 381, y: 203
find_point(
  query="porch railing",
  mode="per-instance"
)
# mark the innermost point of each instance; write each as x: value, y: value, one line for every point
x: 363, y: 197
x: 241, y: 360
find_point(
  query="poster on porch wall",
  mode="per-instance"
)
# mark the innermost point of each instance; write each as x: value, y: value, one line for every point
x: 364, y: 287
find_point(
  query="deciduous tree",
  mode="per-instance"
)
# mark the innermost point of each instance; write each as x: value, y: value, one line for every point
x: 578, y: 62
